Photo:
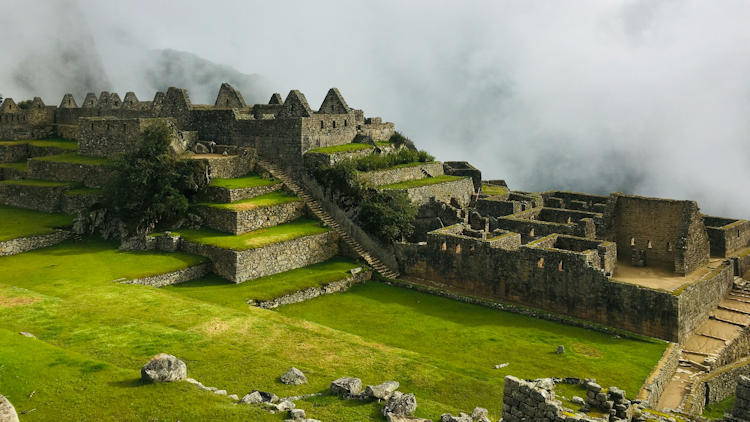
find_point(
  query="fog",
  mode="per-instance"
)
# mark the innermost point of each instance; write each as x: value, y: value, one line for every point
x: 648, y: 97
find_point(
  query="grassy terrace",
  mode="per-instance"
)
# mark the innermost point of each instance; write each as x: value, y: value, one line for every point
x: 341, y: 148
x: 222, y: 292
x: 94, y: 334
x: 20, y: 166
x: 267, y: 200
x: 421, y: 182
x: 54, y: 143
x: 73, y: 159
x: 19, y: 222
x: 493, y: 189
x: 258, y: 238
x: 38, y: 183
x: 84, y: 191
x: 247, y: 181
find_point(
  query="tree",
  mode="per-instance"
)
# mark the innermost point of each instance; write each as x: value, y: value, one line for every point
x: 388, y: 214
x: 151, y: 188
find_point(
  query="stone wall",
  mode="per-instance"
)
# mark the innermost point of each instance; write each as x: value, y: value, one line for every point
x: 40, y: 198
x: 698, y: 300
x: 400, y: 174
x: 313, y: 292
x: 727, y: 236
x: 230, y: 166
x: 313, y: 159
x: 715, y: 387
x: 741, y: 411
x: 461, y: 190
x: 238, y: 222
x: 73, y: 203
x: 660, y: 376
x: 325, y: 130
x: 463, y: 168
x: 239, y: 266
x: 375, y: 128
x: 13, y: 152
x: 25, y: 244
x: 109, y: 136
x: 91, y: 175
x: 224, y: 195
x: 174, y: 277
x: 670, y: 232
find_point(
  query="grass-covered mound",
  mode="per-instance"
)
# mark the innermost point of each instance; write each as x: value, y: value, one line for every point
x: 267, y: 200
x: 257, y: 238
x: 217, y: 290
x: 95, y: 334
x: 247, y: 181
x: 19, y: 222
x: 427, y: 181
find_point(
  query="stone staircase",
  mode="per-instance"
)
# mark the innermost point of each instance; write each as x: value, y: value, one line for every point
x: 321, y: 214
x: 699, y: 352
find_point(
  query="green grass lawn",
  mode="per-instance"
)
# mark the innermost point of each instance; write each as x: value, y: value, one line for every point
x: 20, y: 166
x: 73, y: 158
x: 493, y: 189
x: 247, y: 181
x: 39, y: 183
x: 257, y: 238
x: 84, y: 191
x: 267, y: 200
x: 56, y: 143
x: 94, y: 334
x: 19, y: 222
x: 717, y: 410
x: 421, y: 182
x: 217, y: 290
x: 341, y: 148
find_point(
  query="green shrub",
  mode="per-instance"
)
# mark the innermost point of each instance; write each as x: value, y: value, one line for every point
x: 150, y: 188
x: 383, y: 161
x: 389, y: 215
x: 399, y: 140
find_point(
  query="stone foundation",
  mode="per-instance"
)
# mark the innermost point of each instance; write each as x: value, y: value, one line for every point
x: 39, y: 198
x: 91, y: 175
x: 401, y: 174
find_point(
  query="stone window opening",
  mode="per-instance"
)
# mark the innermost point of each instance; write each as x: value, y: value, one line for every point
x: 345, y: 123
x: 531, y: 233
x: 322, y: 125
x: 669, y: 247
x: 458, y: 249
x: 632, y: 241
x: 540, y: 263
x: 560, y: 266
x: 444, y: 247
x: 738, y: 233
x: 648, y: 245
x: 334, y: 124
x: 569, y: 220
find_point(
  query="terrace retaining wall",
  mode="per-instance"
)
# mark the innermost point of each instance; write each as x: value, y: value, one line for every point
x: 715, y: 386
x: 226, y: 195
x: 400, y: 174
x: 29, y: 243
x: 174, y: 277
x: 699, y: 299
x: 91, y: 175
x: 238, y: 222
x: 663, y: 372
x: 461, y: 190
x: 40, y: 198
x: 313, y: 292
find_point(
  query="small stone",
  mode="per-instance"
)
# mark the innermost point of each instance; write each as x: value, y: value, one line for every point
x: 252, y: 398
x: 502, y: 365
x: 233, y: 397
x: 560, y: 349
x: 285, y: 406
x: 400, y: 404
x: 355, y: 271
x: 578, y: 400
x: 381, y: 391
x: 479, y: 412
x: 164, y: 368
x: 221, y: 392
x: 297, y: 414
x: 293, y: 377
x: 346, y: 386
x: 27, y: 334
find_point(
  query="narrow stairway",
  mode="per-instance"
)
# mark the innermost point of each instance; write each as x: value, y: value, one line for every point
x: 319, y: 212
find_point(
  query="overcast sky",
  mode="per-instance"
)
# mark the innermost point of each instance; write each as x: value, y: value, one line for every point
x: 649, y: 97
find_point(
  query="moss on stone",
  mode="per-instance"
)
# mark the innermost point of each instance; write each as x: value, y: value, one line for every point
x: 73, y: 159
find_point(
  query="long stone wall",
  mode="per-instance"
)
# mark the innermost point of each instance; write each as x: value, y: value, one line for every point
x: 313, y: 292
x: 25, y: 244
x: 400, y: 174
x: 715, y: 386
x: 461, y: 190
x: 699, y: 299
x: 91, y: 175
x: 238, y: 222
x: 224, y: 195
x: 174, y: 277
x: 40, y: 198
x: 660, y: 376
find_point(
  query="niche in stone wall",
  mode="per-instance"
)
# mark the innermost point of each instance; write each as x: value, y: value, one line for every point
x: 444, y: 247
x: 458, y: 249
x: 560, y: 266
x: 540, y: 263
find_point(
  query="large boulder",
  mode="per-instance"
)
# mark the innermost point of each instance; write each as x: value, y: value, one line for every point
x: 164, y: 368
x: 7, y: 411
x: 346, y: 386
x: 400, y: 404
x: 294, y: 377
x: 381, y: 391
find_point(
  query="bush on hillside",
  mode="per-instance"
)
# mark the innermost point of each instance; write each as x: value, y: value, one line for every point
x: 389, y: 215
x: 399, y: 140
x: 150, y: 188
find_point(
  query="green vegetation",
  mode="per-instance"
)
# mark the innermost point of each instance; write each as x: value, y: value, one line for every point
x: 408, y: 184
x: 717, y: 410
x: 267, y: 200
x: 73, y: 158
x: 20, y: 166
x: 351, y: 147
x: 383, y: 161
x: 46, y: 143
x: 84, y: 191
x: 389, y: 215
x: 483, y: 337
x: 399, y: 140
x: 494, y: 190
x: 150, y: 188
x: 247, y: 181
x: 39, y: 183
x: 19, y: 222
x: 383, y: 143
x: 225, y: 293
x: 257, y: 238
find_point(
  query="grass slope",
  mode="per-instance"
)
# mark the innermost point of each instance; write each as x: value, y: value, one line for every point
x: 248, y: 181
x: 341, y: 148
x: 421, y: 182
x: 493, y: 189
x: 46, y: 143
x: 38, y: 183
x: 19, y: 222
x: 267, y: 200
x: 94, y: 334
x: 257, y: 238
x: 20, y: 166
x: 217, y: 290
x: 73, y: 158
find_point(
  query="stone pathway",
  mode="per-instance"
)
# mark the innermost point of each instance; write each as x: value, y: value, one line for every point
x: 723, y: 326
x: 319, y: 212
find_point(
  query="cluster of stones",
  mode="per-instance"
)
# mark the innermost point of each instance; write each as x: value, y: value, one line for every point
x: 612, y: 401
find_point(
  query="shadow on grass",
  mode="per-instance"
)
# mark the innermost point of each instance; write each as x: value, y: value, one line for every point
x: 128, y: 383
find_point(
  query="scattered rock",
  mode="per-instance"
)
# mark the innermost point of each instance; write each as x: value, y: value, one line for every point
x: 355, y: 271
x: 7, y: 411
x: 199, y: 148
x: 27, y: 334
x: 479, y: 412
x: 221, y: 392
x: 560, y: 349
x: 502, y: 365
x: 578, y: 400
x: 462, y: 417
x: 400, y: 418
x: 252, y: 398
x: 285, y: 405
x: 297, y: 414
x: 233, y: 397
x: 400, y: 404
x: 346, y: 386
x: 268, y: 397
x: 164, y: 368
x: 294, y: 377
x: 381, y: 391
